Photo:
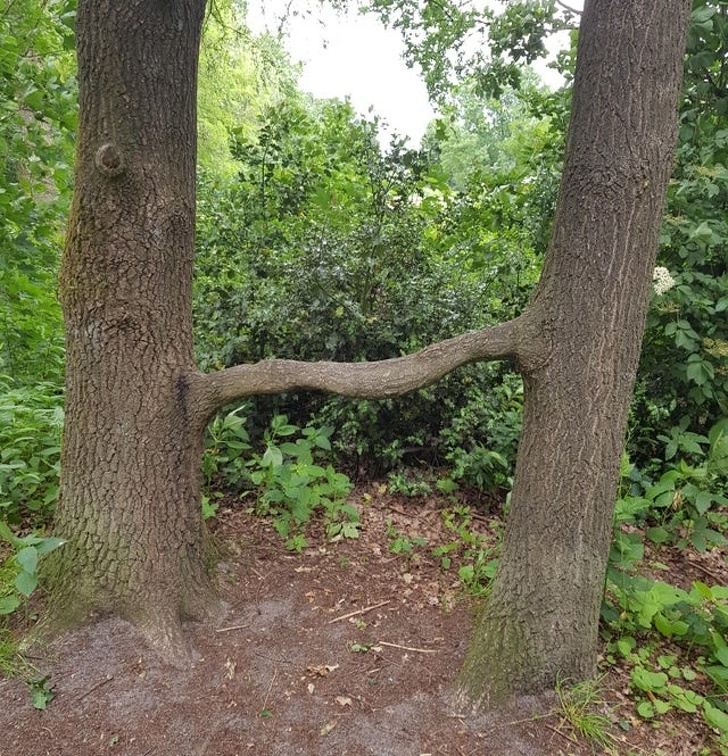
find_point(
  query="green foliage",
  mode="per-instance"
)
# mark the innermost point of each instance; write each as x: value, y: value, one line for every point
x: 291, y: 485
x: 41, y: 692
x: 225, y: 443
x: 577, y: 706
x: 695, y: 622
x: 672, y: 637
x: 400, y: 543
x: 476, y: 560
x: 686, y: 505
x: 31, y: 419
x: 21, y: 566
x: 294, y: 486
x: 438, y: 39
x: 328, y: 248
x: 239, y: 75
x: 37, y: 124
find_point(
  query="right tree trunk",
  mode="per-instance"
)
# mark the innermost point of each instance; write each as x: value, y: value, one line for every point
x: 540, y: 619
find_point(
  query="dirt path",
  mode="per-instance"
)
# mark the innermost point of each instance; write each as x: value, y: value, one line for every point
x: 345, y: 650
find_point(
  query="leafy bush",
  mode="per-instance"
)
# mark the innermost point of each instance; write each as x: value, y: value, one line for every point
x: 327, y: 248
x: 19, y: 573
x: 290, y: 483
x: 670, y: 636
x: 683, y: 370
x: 31, y: 419
x: 38, y: 91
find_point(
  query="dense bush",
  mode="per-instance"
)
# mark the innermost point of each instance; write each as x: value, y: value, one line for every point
x: 327, y: 247
x: 37, y: 124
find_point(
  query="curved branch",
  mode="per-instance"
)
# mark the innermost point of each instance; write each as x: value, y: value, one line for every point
x: 569, y: 8
x: 385, y: 378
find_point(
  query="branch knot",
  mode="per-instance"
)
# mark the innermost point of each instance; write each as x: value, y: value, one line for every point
x: 108, y: 160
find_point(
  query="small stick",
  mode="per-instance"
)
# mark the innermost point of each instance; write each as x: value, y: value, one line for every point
x: 95, y: 687
x: 563, y: 734
x: 270, y: 687
x: 232, y: 627
x: 359, y: 611
x: 409, y: 648
x: 700, y: 567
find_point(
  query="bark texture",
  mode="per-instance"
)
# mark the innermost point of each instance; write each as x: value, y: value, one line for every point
x: 541, y: 617
x: 129, y: 494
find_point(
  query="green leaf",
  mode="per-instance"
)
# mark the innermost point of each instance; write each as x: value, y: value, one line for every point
x: 703, y: 500
x: 662, y: 707
x: 8, y: 604
x: 27, y: 558
x: 26, y: 582
x: 721, y: 654
x: 273, y: 457
x: 6, y: 533
x: 47, y: 545
x: 646, y: 710
x: 658, y: 535
x: 648, y: 681
x: 715, y: 717
x: 626, y: 645
x: 40, y: 693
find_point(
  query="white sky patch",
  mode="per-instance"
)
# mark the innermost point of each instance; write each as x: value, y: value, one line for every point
x: 353, y: 55
x: 349, y: 54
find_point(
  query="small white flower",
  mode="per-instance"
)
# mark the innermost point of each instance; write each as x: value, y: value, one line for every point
x: 662, y: 280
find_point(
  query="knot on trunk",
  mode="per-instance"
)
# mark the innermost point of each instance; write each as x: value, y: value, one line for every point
x: 108, y: 160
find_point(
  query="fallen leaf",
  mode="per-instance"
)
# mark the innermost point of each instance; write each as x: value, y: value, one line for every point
x: 343, y: 700
x: 326, y: 729
x: 322, y: 670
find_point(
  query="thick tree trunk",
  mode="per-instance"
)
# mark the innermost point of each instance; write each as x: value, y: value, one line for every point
x: 130, y: 483
x: 541, y: 617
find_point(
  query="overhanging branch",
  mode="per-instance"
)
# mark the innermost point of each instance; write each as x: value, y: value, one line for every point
x: 380, y: 379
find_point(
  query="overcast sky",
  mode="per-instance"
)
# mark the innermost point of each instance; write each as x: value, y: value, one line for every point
x: 350, y: 54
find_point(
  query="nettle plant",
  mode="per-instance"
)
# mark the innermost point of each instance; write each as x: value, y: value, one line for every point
x: 673, y: 639
x: 19, y: 570
x: 291, y: 483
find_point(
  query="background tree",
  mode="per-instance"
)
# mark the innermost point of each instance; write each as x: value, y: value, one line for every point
x: 137, y: 405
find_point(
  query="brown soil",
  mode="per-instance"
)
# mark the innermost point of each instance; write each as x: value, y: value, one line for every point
x: 345, y: 649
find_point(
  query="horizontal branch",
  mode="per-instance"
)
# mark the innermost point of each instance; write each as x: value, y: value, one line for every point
x: 384, y: 378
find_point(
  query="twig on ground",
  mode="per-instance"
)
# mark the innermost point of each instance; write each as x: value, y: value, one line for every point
x: 700, y: 567
x: 108, y: 678
x: 563, y: 734
x: 411, y: 515
x: 270, y: 687
x: 359, y: 611
x: 232, y: 627
x: 409, y: 648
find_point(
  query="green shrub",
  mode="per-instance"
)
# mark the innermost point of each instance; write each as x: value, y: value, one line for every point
x: 31, y: 419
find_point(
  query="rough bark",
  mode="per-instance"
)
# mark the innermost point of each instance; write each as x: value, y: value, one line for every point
x: 541, y: 617
x: 132, y: 442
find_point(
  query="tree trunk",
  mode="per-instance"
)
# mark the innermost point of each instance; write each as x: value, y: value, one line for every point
x: 130, y: 482
x: 540, y: 619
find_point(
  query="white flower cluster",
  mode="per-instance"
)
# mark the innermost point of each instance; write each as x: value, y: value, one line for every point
x: 662, y: 280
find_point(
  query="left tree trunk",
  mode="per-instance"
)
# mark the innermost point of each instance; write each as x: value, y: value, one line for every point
x: 130, y: 482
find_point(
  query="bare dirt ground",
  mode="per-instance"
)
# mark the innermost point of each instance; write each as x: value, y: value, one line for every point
x: 343, y: 650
